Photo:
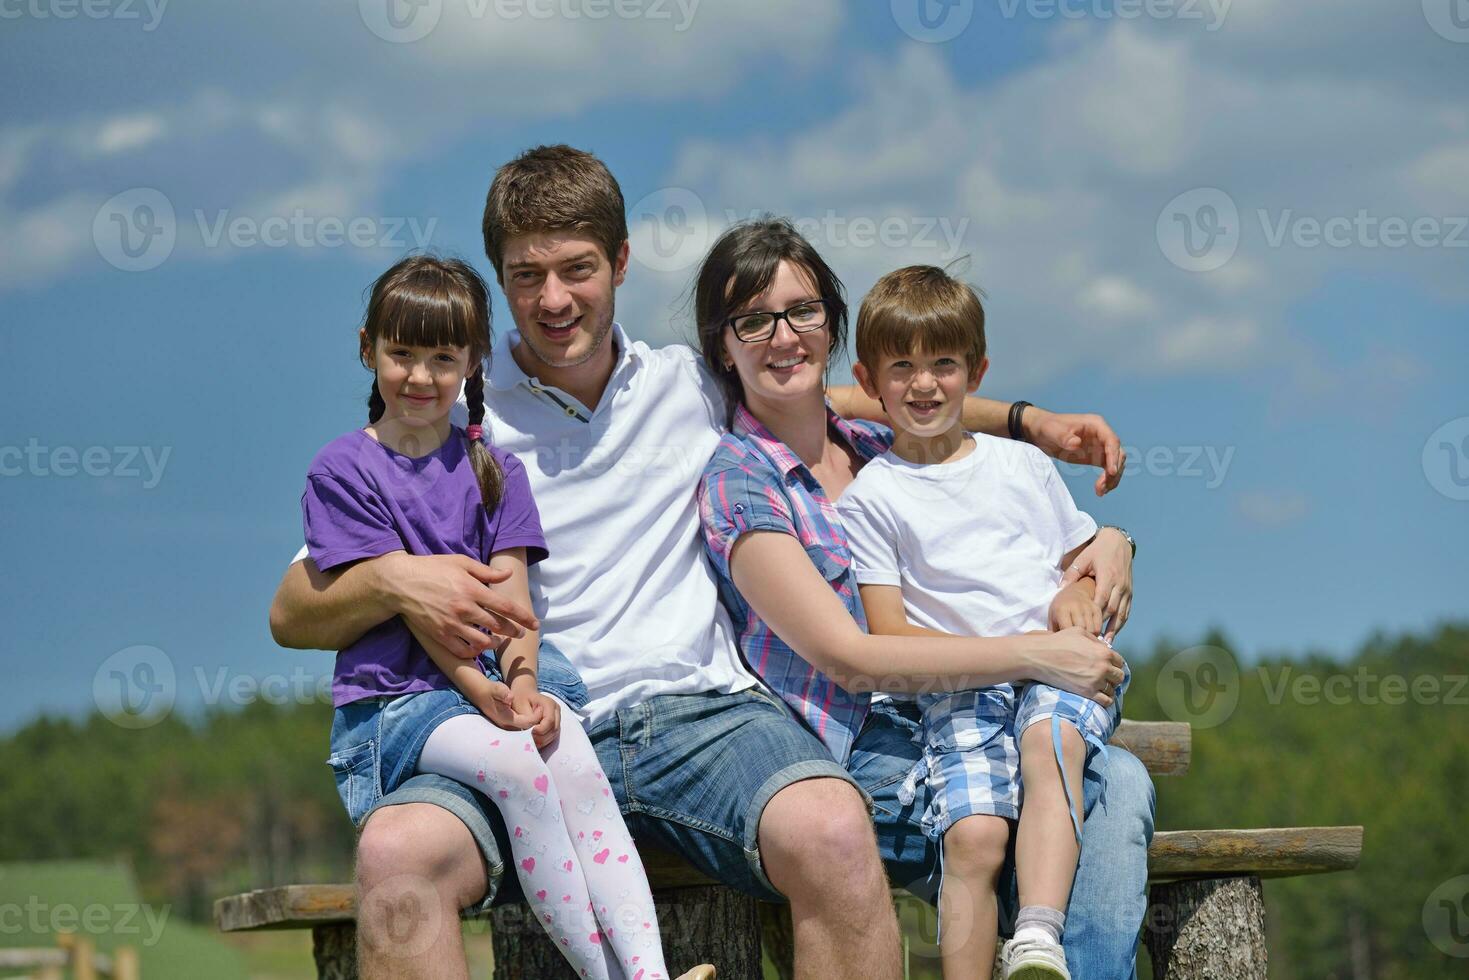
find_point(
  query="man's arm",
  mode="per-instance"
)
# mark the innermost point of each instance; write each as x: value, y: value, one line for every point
x: 445, y: 597
x: 1086, y: 439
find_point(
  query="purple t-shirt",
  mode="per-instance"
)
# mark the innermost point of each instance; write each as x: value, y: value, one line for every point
x: 363, y: 499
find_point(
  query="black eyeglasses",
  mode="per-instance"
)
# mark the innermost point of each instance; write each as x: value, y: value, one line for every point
x: 802, y: 318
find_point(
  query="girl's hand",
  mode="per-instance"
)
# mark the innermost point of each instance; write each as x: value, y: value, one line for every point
x: 1076, y: 661
x: 500, y: 707
x: 1073, y: 606
x: 1108, y: 559
x: 540, y: 714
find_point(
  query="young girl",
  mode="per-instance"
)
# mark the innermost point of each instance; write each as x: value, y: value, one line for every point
x: 412, y: 481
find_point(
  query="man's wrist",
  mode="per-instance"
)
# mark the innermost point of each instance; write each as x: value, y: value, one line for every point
x: 1131, y: 542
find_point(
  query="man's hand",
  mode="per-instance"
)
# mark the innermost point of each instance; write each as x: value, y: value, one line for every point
x: 449, y: 599
x: 1084, y: 439
x: 1076, y: 661
x: 1074, y: 606
x: 1108, y: 559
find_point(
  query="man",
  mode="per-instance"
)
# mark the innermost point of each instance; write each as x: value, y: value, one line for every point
x: 701, y: 758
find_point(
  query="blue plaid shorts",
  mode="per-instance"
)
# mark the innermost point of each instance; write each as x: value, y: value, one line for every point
x: 971, y: 747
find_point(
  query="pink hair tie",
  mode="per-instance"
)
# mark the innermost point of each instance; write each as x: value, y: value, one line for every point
x: 475, y: 432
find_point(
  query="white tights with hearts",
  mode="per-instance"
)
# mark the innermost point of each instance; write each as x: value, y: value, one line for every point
x: 574, y: 857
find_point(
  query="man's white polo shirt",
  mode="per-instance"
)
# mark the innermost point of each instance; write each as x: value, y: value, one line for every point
x: 626, y: 593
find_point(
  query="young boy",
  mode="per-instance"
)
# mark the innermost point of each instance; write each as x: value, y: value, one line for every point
x: 968, y: 534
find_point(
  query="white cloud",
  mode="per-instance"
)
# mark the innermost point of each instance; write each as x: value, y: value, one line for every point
x: 1272, y: 509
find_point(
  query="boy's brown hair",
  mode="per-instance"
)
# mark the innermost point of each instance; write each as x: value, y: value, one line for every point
x: 920, y: 308
x: 553, y: 188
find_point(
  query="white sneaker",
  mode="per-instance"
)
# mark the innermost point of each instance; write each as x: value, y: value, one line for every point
x: 1034, y: 959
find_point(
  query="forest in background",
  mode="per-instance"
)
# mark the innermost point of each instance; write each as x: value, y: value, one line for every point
x: 241, y: 799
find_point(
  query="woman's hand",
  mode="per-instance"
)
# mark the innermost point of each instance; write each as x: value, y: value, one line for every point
x: 1108, y: 559
x: 1076, y: 661
x: 1084, y: 439
x: 1074, y: 606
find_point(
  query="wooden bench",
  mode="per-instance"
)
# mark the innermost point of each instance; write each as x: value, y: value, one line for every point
x: 1205, y: 918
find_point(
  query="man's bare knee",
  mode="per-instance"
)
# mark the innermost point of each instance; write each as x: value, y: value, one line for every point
x: 423, y: 842
x: 817, y: 833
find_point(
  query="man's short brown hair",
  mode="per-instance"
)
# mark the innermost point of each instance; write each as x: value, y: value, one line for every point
x: 553, y: 188
x: 920, y: 309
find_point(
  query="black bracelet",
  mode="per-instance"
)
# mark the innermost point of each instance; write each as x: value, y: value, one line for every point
x: 1017, y: 410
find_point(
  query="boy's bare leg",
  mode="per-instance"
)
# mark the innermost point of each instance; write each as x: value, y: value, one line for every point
x: 417, y: 866
x: 818, y: 848
x: 1046, y: 850
x: 974, y: 853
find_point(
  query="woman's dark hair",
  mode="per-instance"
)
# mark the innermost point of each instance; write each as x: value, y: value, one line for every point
x: 426, y: 301
x: 741, y: 265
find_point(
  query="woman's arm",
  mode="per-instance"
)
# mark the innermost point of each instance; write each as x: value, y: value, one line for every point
x: 440, y: 596
x: 775, y: 575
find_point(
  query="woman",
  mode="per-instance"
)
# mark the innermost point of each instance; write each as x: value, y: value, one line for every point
x: 785, y: 572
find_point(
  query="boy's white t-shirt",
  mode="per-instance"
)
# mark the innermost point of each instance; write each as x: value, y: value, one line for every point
x: 627, y: 593
x: 975, y: 544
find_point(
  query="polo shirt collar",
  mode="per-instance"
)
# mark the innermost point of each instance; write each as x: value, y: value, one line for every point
x: 505, y: 374
x: 752, y: 429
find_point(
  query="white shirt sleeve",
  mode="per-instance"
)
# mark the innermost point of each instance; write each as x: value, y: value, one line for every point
x: 871, y: 537
x: 1076, y: 526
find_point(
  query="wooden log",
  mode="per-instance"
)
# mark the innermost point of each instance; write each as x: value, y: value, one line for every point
x: 1209, y: 929
x: 334, y: 948
x: 1163, y: 747
x: 1268, y: 853
x: 707, y: 924
x: 286, y: 907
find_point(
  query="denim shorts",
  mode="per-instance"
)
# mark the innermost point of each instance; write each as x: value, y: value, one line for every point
x: 376, y: 742
x: 694, y: 772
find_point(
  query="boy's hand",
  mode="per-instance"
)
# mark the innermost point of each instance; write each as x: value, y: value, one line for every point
x: 1073, y: 606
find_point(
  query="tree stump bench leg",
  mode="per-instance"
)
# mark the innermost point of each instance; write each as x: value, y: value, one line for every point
x: 707, y: 924
x: 1209, y: 929
x: 334, y: 947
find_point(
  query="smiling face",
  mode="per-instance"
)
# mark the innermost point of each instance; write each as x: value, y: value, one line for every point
x: 922, y: 393
x: 419, y: 385
x: 560, y: 290
x: 788, y: 365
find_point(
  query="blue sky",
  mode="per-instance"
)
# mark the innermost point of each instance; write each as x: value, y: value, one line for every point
x: 1236, y: 229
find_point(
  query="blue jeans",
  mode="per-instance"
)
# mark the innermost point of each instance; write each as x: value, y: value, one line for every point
x: 1109, y: 897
